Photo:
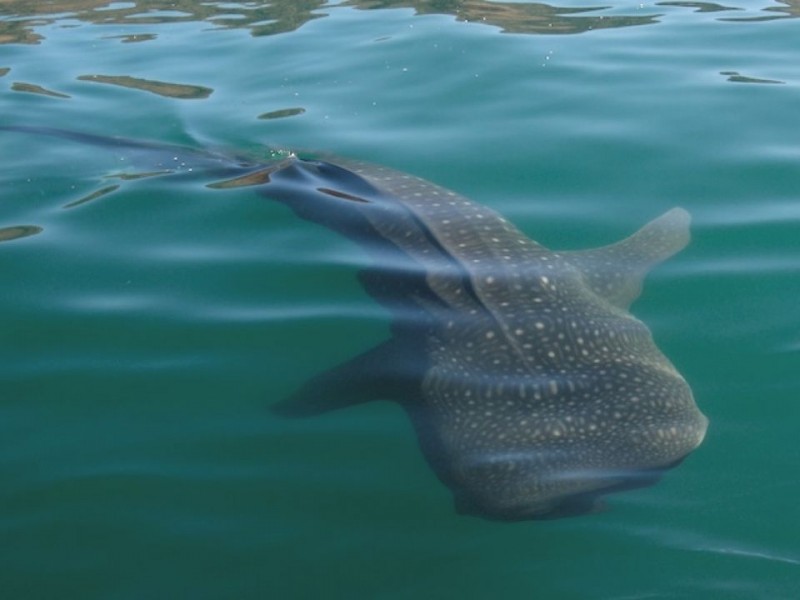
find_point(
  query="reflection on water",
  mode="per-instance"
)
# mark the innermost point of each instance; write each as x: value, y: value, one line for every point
x: 287, y: 15
x: 32, y: 88
x: 736, y: 77
x: 261, y: 19
x: 284, y: 16
x: 515, y: 17
x: 93, y: 196
x: 162, y: 88
x: 705, y: 7
x: 283, y: 113
x: 785, y: 9
x: 18, y: 231
x: 132, y: 38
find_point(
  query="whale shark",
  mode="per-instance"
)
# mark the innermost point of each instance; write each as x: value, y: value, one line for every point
x: 532, y: 389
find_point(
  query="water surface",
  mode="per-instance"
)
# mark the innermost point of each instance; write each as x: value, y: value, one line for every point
x: 147, y: 322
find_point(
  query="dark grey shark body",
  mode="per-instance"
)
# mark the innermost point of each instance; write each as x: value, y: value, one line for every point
x: 531, y: 387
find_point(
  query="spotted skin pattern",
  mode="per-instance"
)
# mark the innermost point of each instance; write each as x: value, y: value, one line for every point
x: 540, y: 390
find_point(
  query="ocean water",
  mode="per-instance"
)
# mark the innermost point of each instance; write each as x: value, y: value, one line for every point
x: 148, y: 322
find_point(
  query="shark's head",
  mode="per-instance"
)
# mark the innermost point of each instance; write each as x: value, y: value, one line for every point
x: 619, y: 429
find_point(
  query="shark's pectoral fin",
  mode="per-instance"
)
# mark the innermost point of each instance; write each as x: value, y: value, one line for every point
x: 616, y: 272
x: 390, y: 371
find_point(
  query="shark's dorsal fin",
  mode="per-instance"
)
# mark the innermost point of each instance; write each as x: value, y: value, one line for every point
x: 616, y: 272
x: 388, y: 371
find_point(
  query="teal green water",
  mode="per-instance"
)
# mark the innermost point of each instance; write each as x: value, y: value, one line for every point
x: 145, y: 331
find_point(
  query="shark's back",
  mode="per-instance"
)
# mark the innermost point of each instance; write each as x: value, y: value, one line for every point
x: 538, y: 387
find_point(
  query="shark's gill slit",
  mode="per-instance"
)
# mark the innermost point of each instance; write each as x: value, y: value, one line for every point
x: 342, y: 195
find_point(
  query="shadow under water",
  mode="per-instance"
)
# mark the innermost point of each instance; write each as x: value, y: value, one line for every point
x: 531, y: 387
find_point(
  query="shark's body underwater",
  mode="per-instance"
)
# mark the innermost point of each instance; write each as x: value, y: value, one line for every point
x: 531, y: 387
